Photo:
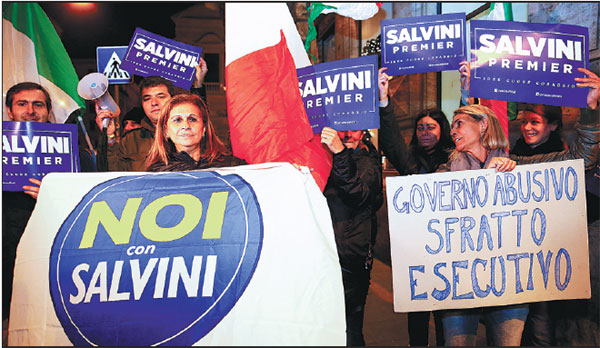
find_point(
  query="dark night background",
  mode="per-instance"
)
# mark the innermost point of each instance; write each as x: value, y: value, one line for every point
x: 110, y: 24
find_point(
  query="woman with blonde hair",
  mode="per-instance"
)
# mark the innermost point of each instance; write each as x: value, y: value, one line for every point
x: 185, y: 138
x: 481, y: 143
x: 479, y: 139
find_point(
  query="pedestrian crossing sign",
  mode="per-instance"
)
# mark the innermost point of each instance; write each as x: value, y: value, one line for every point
x: 109, y: 60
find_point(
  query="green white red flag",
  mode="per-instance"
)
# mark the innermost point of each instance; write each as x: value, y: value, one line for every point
x: 267, y: 119
x: 33, y: 52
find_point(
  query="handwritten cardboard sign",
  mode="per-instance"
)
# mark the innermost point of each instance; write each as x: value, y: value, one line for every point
x: 528, y: 62
x: 341, y: 94
x: 479, y: 238
x: 34, y: 149
x: 423, y: 44
x: 149, y: 54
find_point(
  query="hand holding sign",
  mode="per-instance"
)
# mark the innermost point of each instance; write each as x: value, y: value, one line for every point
x: 465, y: 74
x: 330, y: 138
x: 201, y: 71
x: 384, y: 84
x: 149, y: 54
x: 33, y: 191
x: 593, y: 82
x: 502, y: 164
x: 341, y: 94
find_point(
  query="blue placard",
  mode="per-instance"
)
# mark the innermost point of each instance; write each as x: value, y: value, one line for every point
x: 423, y: 44
x: 155, y: 259
x: 341, y: 94
x: 34, y: 149
x: 149, y: 54
x: 109, y: 60
x: 528, y: 62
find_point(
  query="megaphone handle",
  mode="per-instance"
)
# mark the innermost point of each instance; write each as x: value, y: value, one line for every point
x: 105, y: 122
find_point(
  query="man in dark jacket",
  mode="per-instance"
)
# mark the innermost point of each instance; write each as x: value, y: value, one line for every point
x: 25, y: 102
x: 354, y: 194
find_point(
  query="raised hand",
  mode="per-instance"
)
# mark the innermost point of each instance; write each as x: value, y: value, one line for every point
x: 593, y: 82
x: 384, y: 85
x: 331, y: 138
x: 201, y: 71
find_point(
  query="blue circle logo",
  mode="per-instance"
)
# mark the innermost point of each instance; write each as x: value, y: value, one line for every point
x: 155, y: 259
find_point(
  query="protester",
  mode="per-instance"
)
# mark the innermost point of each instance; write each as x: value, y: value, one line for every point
x: 585, y: 145
x: 354, y: 194
x: 185, y: 138
x: 481, y: 143
x: 576, y: 321
x: 540, y: 130
x: 131, y: 151
x: 132, y: 119
x: 25, y: 102
x: 429, y: 147
x: 540, y: 134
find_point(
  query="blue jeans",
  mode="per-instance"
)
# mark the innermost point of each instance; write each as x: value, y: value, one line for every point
x: 504, y: 325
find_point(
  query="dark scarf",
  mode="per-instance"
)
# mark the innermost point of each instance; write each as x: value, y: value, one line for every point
x: 553, y: 144
x: 428, y: 163
x: 181, y: 161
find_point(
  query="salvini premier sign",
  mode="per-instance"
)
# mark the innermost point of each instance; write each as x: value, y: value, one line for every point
x: 480, y: 238
x: 150, y: 54
x: 34, y: 149
x: 528, y: 62
x: 341, y: 94
x: 423, y: 44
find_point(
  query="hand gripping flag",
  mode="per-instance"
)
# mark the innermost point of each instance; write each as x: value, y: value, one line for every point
x: 267, y: 119
x: 33, y: 52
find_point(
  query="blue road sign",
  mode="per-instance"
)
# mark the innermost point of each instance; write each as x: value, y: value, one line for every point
x: 109, y: 60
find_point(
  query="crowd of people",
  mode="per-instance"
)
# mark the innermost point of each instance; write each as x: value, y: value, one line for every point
x: 173, y: 132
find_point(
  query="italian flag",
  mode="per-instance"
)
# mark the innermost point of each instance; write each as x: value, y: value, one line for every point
x: 267, y: 119
x: 33, y: 52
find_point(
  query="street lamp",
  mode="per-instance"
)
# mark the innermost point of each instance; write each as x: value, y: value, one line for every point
x: 82, y: 7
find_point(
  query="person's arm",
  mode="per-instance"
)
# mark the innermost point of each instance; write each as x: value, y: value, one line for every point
x: 110, y: 130
x: 198, y: 87
x: 105, y: 120
x: 357, y: 185
x: 391, y: 141
x: 117, y: 160
x: 465, y: 84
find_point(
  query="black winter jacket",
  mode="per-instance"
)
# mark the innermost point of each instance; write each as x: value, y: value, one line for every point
x: 354, y: 194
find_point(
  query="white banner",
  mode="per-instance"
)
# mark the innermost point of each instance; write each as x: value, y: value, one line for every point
x: 233, y: 256
x: 479, y: 238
